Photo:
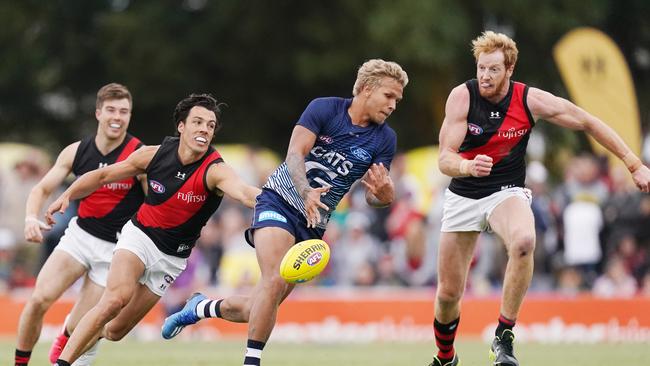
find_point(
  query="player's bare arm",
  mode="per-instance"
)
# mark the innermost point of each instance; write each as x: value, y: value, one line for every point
x: 302, y: 140
x: 452, y: 134
x: 380, y: 190
x: 135, y: 164
x: 223, y: 177
x: 51, y: 181
x: 142, y: 178
x: 563, y: 113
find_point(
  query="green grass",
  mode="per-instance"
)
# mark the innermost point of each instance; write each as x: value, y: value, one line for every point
x: 170, y: 353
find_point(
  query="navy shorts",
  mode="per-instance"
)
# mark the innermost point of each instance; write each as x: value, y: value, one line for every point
x: 271, y: 210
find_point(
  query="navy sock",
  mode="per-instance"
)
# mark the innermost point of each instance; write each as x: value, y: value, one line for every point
x: 253, y: 353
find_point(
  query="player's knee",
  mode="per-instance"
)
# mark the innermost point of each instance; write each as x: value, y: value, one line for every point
x: 110, y: 306
x: 114, y: 333
x: 276, y: 286
x: 40, y: 301
x: 246, y: 312
x: 522, y: 246
x: 448, y: 296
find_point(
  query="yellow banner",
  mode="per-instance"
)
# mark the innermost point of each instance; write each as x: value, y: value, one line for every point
x: 598, y: 79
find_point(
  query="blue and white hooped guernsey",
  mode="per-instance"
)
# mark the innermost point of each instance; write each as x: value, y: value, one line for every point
x: 341, y: 154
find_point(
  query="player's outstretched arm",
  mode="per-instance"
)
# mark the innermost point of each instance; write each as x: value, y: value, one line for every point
x: 380, y: 190
x: 302, y: 141
x: 135, y: 164
x: 223, y: 177
x: 43, y: 189
x: 563, y: 113
x: 452, y: 134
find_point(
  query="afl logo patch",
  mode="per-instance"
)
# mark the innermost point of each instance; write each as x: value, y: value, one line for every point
x: 474, y: 129
x: 314, y: 259
x: 361, y: 153
x: 325, y: 139
x: 156, y: 186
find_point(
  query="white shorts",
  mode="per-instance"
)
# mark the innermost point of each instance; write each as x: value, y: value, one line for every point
x: 93, y: 253
x: 160, y: 269
x: 467, y: 214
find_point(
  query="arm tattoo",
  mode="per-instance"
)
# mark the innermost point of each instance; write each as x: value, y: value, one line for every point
x: 296, y: 167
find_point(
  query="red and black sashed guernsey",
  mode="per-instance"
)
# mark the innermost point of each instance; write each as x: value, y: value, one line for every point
x: 500, y: 131
x: 178, y: 203
x: 105, y: 211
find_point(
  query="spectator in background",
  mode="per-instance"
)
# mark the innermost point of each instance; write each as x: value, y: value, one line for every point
x: 616, y: 281
x: 582, y: 218
x: 357, y: 253
x: 635, y: 258
x: 210, y: 243
x: 569, y: 281
x: 621, y: 210
x: 15, y: 188
x: 645, y: 285
x: 545, y: 228
x: 238, y: 269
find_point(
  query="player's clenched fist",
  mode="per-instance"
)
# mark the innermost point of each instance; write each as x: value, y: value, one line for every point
x: 480, y: 166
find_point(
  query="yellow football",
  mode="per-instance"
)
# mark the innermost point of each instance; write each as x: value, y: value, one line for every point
x: 304, y: 261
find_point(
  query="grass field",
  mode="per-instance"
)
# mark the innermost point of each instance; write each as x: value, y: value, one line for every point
x: 170, y: 353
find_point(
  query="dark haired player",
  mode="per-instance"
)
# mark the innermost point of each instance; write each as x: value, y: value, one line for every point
x: 187, y: 179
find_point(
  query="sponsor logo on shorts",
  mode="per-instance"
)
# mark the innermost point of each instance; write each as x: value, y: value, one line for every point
x: 182, y: 248
x: 271, y: 215
x: 168, y: 281
x: 361, y: 153
x: 474, y: 129
x: 156, y: 186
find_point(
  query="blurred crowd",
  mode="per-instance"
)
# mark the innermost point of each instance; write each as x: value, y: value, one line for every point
x: 591, y: 221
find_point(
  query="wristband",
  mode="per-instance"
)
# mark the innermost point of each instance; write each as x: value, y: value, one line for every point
x: 464, y: 167
x: 631, y: 161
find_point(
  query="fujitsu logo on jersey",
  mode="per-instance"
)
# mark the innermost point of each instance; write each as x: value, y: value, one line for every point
x: 190, y: 197
x: 118, y: 186
x: 512, y: 133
